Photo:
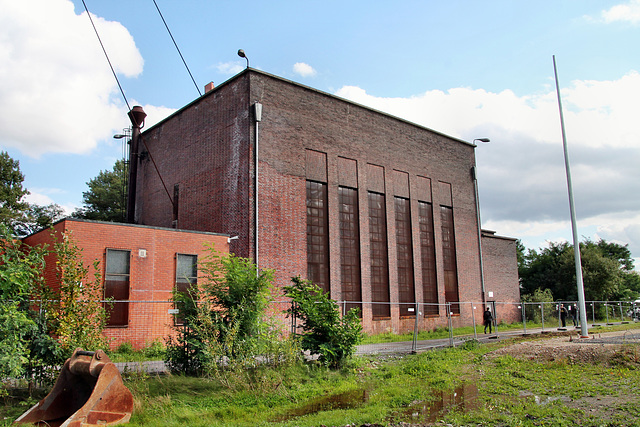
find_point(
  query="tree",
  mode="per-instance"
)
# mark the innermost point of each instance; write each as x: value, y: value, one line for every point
x: 12, y: 205
x: 106, y: 198
x: 605, y: 271
x: 38, y: 218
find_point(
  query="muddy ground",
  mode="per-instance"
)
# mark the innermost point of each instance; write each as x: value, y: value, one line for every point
x: 608, y: 349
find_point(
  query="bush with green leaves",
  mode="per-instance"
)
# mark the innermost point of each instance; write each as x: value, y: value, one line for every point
x: 324, y: 332
x: 78, y: 316
x: 225, y: 327
x: 20, y: 273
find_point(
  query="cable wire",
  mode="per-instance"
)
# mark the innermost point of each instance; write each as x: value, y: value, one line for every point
x: 177, y: 48
x: 106, y: 55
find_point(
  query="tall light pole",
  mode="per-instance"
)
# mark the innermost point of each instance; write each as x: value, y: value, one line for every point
x: 584, y: 333
x: 474, y: 173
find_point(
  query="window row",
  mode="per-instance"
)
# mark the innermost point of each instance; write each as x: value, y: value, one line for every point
x: 117, y: 283
x: 350, y: 254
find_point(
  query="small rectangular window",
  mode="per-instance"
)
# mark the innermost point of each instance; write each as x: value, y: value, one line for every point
x: 116, y: 287
x: 186, y: 278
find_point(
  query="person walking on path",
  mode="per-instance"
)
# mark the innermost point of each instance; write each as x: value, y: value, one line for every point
x: 487, y: 319
x: 563, y: 315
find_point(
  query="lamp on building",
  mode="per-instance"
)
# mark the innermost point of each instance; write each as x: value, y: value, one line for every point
x: 474, y: 173
x: 241, y: 54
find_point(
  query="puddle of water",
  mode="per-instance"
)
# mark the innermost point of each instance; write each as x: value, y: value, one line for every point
x: 462, y: 398
x: 347, y: 400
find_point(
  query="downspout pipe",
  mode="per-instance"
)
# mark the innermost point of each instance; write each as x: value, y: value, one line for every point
x: 137, y: 116
x: 257, y: 110
x: 474, y: 173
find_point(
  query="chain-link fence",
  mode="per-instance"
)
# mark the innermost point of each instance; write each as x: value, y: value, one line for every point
x: 141, y: 322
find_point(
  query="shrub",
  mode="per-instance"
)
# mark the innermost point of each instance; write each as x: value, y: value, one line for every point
x: 224, y: 318
x: 324, y: 333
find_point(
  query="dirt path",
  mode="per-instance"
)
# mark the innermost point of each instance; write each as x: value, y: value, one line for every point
x: 604, y: 348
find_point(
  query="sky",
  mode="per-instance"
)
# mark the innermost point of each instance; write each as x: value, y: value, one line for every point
x: 464, y: 68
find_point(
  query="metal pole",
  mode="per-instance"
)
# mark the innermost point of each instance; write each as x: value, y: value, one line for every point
x: 621, y: 316
x: 473, y: 316
x: 414, y: 344
x: 495, y: 318
x: 524, y: 317
x: 450, y: 325
x: 576, y: 243
x: 542, y: 315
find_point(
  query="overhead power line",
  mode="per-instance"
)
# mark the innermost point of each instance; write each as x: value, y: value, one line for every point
x: 177, y: 48
x: 106, y: 55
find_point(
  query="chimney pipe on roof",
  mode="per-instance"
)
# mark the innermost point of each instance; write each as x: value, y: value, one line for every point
x: 209, y: 87
x: 137, y: 116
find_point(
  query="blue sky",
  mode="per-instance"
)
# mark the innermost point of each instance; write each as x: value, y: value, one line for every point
x: 468, y: 69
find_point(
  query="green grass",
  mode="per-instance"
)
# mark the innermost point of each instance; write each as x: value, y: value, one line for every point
x: 126, y: 353
x: 501, y: 390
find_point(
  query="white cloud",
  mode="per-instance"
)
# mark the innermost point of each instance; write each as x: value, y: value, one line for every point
x: 523, y: 189
x: 626, y: 12
x: 230, y: 68
x: 304, y: 70
x: 58, y: 93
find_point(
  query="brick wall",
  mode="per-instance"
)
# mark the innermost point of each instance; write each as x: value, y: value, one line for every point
x: 501, y: 274
x: 152, y: 268
x: 207, y: 149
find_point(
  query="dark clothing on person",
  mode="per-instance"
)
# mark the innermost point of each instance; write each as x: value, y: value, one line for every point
x: 487, y: 319
x: 563, y: 315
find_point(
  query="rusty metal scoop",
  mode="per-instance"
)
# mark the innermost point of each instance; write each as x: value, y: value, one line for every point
x: 88, y: 392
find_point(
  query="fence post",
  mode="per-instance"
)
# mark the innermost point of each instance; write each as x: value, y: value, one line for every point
x: 542, y: 314
x: 294, y: 316
x: 621, y: 316
x: 524, y: 317
x: 450, y: 324
x: 414, y: 344
x: 495, y: 318
x: 473, y: 317
x: 606, y: 309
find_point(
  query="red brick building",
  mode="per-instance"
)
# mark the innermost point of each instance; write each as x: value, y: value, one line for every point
x: 371, y: 207
x: 140, y: 266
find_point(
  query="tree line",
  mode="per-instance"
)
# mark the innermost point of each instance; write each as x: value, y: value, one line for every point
x: 607, y: 270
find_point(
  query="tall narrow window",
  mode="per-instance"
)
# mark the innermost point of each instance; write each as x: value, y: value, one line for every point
x: 186, y: 278
x: 116, y: 287
x: 404, y: 251
x: 449, y: 258
x: 350, y: 247
x: 379, y: 257
x: 428, y: 259
x: 317, y: 235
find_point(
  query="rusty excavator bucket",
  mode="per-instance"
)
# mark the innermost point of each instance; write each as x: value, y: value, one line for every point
x: 88, y: 392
